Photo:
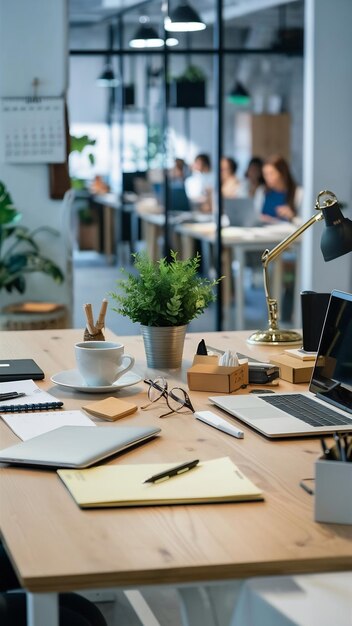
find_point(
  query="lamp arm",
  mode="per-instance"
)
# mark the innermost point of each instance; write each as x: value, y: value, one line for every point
x: 270, y: 255
x: 335, y: 245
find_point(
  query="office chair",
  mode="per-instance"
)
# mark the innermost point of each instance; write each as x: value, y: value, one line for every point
x: 178, y: 198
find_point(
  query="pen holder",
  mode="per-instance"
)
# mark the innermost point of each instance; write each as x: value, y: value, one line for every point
x: 206, y: 375
x: 333, y: 491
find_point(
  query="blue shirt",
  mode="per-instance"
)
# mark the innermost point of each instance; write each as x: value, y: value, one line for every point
x: 273, y: 199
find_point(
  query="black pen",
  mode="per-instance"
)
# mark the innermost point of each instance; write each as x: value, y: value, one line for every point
x: 11, y: 395
x: 173, y: 471
x: 325, y: 448
x: 338, y: 446
x: 305, y: 487
x: 343, y: 449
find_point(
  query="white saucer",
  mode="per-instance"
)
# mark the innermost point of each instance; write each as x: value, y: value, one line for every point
x: 72, y: 379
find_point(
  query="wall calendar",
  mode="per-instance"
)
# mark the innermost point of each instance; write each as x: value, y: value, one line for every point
x: 33, y: 130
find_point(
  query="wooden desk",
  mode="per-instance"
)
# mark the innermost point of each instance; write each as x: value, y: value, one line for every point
x: 55, y: 546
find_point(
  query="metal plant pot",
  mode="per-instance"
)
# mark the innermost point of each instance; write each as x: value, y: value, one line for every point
x: 164, y: 345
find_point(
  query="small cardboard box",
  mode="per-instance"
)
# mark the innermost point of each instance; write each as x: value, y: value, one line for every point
x: 293, y: 370
x: 333, y: 491
x: 206, y: 375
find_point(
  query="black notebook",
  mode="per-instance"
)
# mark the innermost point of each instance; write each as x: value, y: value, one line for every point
x: 19, y: 369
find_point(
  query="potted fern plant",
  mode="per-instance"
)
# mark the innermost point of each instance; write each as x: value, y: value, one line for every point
x: 163, y: 296
x: 20, y: 253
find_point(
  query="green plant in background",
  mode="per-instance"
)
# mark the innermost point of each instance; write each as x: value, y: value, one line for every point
x: 138, y: 156
x: 192, y: 74
x: 163, y: 293
x: 78, y: 144
x: 19, y: 252
x: 155, y: 146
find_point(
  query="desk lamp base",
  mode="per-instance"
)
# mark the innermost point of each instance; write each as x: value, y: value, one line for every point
x: 275, y: 337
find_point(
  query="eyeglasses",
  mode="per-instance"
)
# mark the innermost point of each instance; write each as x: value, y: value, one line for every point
x: 177, y: 399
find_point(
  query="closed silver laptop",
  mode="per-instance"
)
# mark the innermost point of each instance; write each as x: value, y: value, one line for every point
x: 75, y: 446
x: 327, y: 406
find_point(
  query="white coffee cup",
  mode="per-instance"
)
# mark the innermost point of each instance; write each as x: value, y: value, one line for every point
x: 100, y: 363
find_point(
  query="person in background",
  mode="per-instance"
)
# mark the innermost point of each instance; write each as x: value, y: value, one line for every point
x: 281, y: 199
x: 254, y: 176
x: 179, y: 170
x: 230, y: 184
x: 98, y: 186
x: 177, y: 193
x: 201, y: 182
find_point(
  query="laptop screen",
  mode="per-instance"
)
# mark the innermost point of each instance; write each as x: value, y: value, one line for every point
x: 332, y: 375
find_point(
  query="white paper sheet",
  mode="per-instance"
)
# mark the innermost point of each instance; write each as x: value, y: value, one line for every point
x: 33, y: 393
x: 28, y: 425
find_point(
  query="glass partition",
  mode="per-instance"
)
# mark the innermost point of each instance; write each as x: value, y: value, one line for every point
x: 232, y: 89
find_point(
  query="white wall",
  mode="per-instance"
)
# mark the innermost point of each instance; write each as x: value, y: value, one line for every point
x: 33, y: 44
x: 327, y: 131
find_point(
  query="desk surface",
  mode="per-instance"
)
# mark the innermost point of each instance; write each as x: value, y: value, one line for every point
x: 55, y: 546
x: 260, y: 235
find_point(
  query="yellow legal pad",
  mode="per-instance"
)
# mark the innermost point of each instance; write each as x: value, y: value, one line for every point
x: 218, y: 480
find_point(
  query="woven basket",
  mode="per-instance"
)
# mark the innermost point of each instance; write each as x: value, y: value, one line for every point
x: 21, y: 317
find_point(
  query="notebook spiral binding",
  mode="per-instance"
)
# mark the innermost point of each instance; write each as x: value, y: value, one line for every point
x: 26, y: 408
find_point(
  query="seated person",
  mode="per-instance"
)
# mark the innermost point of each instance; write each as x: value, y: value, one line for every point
x: 230, y: 184
x: 201, y: 182
x: 98, y: 186
x: 281, y: 197
x: 253, y: 177
x: 179, y: 171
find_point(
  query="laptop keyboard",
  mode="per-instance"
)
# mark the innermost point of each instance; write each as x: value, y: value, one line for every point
x: 308, y: 410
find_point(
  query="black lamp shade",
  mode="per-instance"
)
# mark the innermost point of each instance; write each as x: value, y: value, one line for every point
x: 184, y: 19
x: 239, y: 94
x: 108, y: 78
x: 146, y: 37
x: 336, y: 239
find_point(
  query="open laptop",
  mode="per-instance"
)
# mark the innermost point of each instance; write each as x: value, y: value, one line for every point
x: 240, y: 211
x: 76, y: 446
x: 327, y: 406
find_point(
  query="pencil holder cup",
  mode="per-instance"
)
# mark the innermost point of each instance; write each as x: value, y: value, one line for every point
x: 333, y: 492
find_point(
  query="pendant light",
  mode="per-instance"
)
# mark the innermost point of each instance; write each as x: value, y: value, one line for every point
x: 107, y: 78
x: 239, y: 95
x: 184, y: 19
x: 146, y: 36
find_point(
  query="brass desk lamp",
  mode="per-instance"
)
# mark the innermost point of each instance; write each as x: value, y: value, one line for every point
x: 336, y: 241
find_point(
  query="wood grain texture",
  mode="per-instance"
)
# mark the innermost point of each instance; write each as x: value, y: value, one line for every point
x: 56, y: 546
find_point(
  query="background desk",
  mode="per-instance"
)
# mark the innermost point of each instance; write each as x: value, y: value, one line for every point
x: 237, y: 241
x: 55, y: 546
x: 153, y: 225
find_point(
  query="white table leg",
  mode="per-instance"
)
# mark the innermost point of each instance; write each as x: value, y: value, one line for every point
x: 42, y: 608
x: 209, y: 605
x: 277, y: 276
x: 239, y: 288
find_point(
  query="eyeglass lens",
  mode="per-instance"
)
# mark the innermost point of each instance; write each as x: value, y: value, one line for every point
x: 157, y: 389
x: 177, y: 399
